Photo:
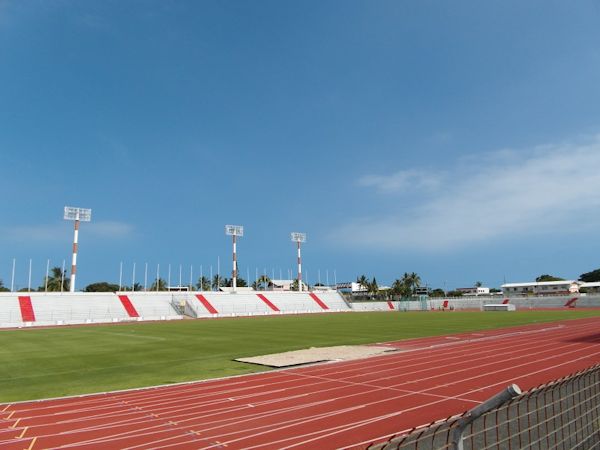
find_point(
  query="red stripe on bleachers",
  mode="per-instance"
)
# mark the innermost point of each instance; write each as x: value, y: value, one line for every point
x: 571, y: 303
x: 131, y: 311
x: 267, y: 302
x: 505, y: 301
x: 390, y: 305
x: 27, y: 313
x: 319, y: 301
x: 210, y: 308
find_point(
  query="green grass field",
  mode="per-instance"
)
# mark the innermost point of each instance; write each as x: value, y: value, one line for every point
x: 41, y: 363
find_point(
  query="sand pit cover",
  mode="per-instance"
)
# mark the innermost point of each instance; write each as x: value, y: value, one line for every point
x: 317, y: 354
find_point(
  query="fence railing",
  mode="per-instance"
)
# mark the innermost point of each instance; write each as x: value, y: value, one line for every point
x: 563, y: 414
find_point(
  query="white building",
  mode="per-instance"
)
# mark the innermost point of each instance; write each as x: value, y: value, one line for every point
x: 564, y: 287
x: 475, y: 290
x: 351, y: 287
x: 284, y: 285
x: 592, y: 288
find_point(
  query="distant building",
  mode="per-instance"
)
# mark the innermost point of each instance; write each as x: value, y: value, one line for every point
x: 590, y: 288
x: 284, y: 285
x: 351, y: 287
x: 564, y: 287
x: 474, y: 291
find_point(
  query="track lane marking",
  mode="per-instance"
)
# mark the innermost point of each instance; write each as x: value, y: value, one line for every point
x: 546, y: 369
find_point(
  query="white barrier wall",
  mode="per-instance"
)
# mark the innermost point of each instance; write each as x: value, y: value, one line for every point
x: 476, y: 303
x: 78, y: 308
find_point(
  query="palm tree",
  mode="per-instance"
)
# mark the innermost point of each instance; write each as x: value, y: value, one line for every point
x: 373, y: 288
x: 240, y: 282
x: 261, y: 283
x: 415, y: 281
x: 400, y: 287
x: 217, y: 282
x: 203, y: 284
x: 162, y: 285
x: 363, y: 281
x: 57, y: 281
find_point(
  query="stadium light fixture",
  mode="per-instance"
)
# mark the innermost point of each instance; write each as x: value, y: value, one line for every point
x: 77, y: 215
x: 299, y: 238
x: 234, y: 231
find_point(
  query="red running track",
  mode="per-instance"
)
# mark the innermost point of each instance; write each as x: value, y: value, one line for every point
x: 327, y: 406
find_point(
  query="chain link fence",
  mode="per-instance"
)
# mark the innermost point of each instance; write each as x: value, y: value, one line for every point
x: 561, y: 415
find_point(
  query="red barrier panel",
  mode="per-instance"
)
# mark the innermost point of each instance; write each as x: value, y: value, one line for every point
x: 27, y: 313
x: 131, y: 311
x: 319, y: 301
x: 211, y: 309
x: 571, y: 303
x: 268, y: 303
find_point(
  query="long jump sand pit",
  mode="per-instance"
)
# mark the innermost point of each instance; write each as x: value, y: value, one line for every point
x: 318, y: 354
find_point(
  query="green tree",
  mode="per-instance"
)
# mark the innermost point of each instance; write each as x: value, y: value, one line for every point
x: 240, y: 282
x: 261, y: 283
x: 546, y: 277
x: 401, y: 287
x: 2, y: 287
x: 162, y: 285
x: 590, y: 277
x: 217, y: 282
x: 57, y: 281
x: 363, y: 281
x: 101, y: 286
x: 455, y: 294
x: 203, y: 284
x: 373, y: 287
x: 478, y: 284
x: 414, y: 281
x: 437, y: 293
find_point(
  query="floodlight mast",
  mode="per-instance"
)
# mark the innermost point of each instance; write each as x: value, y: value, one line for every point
x: 78, y: 215
x: 299, y: 238
x: 234, y: 231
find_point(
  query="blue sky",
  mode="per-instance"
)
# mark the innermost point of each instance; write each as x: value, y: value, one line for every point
x: 459, y: 140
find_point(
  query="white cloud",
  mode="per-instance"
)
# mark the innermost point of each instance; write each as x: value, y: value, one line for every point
x: 110, y: 229
x: 500, y: 195
x: 402, y: 180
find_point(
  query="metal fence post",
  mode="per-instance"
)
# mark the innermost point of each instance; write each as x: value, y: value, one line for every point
x: 500, y: 398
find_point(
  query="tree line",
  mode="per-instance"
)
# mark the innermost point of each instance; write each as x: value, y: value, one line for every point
x: 405, y: 286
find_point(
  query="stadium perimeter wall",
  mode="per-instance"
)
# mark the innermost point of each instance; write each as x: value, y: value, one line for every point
x: 477, y: 303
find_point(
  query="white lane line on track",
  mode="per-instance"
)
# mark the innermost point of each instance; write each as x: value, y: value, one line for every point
x: 175, y: 386
x: 357, y: 424
x: 333, y: 413
x: 503, y: 334
x: 137, y: 420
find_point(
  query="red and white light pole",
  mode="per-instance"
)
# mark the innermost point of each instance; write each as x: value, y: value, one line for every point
x: 234, y: 231
x: 299, y: 238
x: 78, y: 215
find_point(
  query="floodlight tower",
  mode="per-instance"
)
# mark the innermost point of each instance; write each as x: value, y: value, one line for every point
x: 299, y: 238
x: 78, y: 215
x: 234, y: 231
